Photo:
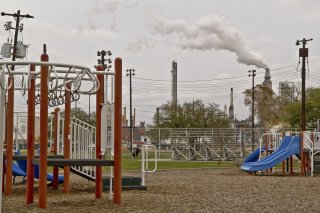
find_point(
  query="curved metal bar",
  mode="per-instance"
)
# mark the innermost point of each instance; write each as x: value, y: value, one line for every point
x: 10, y: 75
x: 43, y: 64
x: 53, y: 68
x: 23, y: 85
x: 65, y: 82
x: 96, y: 84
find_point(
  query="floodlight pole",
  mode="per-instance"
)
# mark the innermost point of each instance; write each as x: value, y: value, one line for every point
x: 303, y: 53
x: 130, y: 73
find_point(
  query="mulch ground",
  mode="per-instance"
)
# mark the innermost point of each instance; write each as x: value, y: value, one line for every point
x: 194, y: 190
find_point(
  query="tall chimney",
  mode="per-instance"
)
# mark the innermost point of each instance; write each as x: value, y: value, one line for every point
x: 174, y: 96
x: 267, y: 79
x: 125, y: 116
x: 231, y: 107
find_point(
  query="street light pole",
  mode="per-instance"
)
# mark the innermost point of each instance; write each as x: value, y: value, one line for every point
x: 130, y: 73
x: 252, y: 74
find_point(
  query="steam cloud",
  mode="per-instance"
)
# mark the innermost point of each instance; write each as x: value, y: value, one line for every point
x: 211, y: 32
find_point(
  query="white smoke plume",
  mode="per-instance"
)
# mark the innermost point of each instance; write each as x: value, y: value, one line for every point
x: 211, y: 32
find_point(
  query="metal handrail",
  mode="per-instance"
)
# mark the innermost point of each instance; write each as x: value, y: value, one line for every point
x: 145, y: 162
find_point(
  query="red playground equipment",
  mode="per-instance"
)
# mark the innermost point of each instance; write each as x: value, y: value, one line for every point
x: 44, y: 77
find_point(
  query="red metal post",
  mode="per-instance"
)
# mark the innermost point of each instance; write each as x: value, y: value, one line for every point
x: 291, y: 165
x: 55, y: 182
x: 66, y: 136
x: 99, y: 102
x: 9, y: 136
x: 265, y: 138
x: 117, y: 131
x: 283, y: 162
x: 301, y: 153
x: 30, y: 138
x: 43, y: 133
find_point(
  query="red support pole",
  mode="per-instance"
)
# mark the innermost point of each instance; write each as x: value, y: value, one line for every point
x: 99, y: 102
x: 55, y: 182
x: 66, y: 136
x: 283, y: 162
x: 291, y: 166
x: 117, y: 131
x: 301, y: 154
x: 43, y: 132
x: 265, y: 139
x: 30, y: 138
x: 10, y: 118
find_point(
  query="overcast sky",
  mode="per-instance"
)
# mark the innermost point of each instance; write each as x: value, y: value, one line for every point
x: 214, y: 42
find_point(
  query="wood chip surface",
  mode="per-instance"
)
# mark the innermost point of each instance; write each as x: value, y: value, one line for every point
x: 193, y: 190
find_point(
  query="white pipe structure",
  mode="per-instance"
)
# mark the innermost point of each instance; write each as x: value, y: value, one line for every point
x: 145, y: 161
x: 309, y: 145
x: 57, y: 72
x: 2, y: 131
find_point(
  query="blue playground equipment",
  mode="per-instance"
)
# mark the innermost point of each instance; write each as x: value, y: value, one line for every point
x: 289, y: 146
x: 254, y: 156
x: 16, y: 172
x: 23, y: 166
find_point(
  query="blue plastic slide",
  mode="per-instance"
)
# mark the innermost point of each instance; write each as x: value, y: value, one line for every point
x: 16, y: 171
x: 254, y: 156
x: 23, y: 165
x: 290, y: 145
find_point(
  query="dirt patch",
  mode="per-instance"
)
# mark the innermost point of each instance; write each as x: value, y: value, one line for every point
x: 195, y: 190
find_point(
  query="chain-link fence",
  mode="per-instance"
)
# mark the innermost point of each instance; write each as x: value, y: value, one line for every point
x: 199, y: 143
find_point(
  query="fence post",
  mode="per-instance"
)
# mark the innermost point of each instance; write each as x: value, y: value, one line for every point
x: 159, y: 142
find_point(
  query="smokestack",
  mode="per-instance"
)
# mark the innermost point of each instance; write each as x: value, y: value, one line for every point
x: 225, y: 110
x: 174, y: 96
x: 267, y: 79
x: 231, y: 107
x: 125, y: 116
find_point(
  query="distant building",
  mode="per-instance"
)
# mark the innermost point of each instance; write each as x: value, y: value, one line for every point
x: 286, y: 91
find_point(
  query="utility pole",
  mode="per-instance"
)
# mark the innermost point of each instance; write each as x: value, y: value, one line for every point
x: 18, y: 17
x: 252, y: 73
x: 158, y: 118
x: 303, y: 53
x: 130, y: 73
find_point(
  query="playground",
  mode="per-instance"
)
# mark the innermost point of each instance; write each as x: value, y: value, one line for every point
x: 191, y: 190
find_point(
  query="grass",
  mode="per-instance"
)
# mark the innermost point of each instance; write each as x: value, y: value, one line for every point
x: 129, y: 163
x: 165, y: 163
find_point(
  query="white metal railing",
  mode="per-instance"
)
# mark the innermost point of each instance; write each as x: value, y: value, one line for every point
x: 145, y: 161
x: 82, y: 143
x: 273, y: 142
x: 312, y: 146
